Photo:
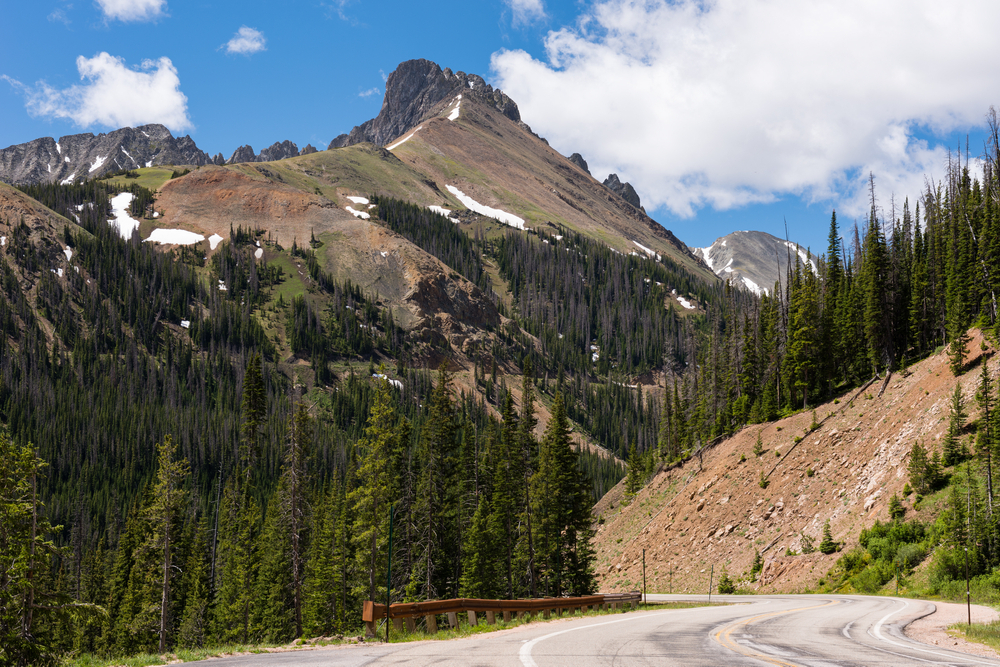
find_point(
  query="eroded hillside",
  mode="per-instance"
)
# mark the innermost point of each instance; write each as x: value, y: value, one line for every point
x: 712, y: 511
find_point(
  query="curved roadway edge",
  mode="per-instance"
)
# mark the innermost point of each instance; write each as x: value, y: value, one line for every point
x: 806, y: 630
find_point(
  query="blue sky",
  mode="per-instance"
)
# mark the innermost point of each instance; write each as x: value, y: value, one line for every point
x: 724, y: 114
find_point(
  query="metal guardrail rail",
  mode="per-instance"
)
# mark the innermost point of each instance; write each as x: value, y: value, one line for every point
x: 405, y: 612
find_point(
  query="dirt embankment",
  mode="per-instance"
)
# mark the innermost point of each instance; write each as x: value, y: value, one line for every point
x: 712, y: 513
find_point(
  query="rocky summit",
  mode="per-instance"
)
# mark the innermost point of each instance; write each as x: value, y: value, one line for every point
x: 754, y: 260
x: 412, y: 91
x: 79, y: 157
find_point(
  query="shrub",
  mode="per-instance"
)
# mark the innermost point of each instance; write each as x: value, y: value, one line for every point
x: 726, y: 585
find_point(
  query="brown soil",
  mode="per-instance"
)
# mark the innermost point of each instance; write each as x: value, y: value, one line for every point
x: 710, y: 513
x: 932, y: 629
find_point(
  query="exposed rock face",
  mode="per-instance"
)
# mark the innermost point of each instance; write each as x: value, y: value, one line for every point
x: 82, y: 156
x: 244, y: 153
x: 308, y: 150
x: 218, y: 159
x: 412, y: 91
x: 623, y: 190
x: 755, y: 260
x: 278, y: 151
x: 578, y: 160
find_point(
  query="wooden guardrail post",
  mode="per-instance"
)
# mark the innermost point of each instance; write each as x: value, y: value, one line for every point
x: 506, y: 616
x: 491, y: 618
x: 472, y: 617
x: 397, y: 624
x: 411, y: 627
x: 431, y: 621
x: 453, y: 619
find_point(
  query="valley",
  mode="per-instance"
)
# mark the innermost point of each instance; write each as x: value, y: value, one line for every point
x: 441, y: 324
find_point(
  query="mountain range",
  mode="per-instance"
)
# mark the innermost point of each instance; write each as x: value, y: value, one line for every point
x: 755, y: 260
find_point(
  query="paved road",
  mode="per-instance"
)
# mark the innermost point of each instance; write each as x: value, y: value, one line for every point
x: 807, y: 630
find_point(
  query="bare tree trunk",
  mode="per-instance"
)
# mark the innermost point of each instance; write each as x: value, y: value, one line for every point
x: 165, y: 597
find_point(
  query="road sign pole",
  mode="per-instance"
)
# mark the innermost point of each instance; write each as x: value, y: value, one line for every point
x: 710, y: 575
x: 644, y: 600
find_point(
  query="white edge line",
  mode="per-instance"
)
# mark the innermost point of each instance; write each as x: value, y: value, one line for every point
x: 525, y: 653
x: 951, y: 657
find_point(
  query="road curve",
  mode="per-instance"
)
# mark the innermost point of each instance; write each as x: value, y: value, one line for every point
x: 806, y: 630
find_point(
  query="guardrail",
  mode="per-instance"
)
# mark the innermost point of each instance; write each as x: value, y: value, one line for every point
x: 405, y: 612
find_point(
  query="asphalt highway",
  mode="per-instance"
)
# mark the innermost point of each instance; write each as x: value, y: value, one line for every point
x: 807, y: 630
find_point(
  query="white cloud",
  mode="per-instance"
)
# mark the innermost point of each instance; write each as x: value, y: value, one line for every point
x: 729, y: 102
x: 132, y: 10
x: 526, y: 11
x: 246, y: 41
x: 114, y: 95
x: 370, y: 92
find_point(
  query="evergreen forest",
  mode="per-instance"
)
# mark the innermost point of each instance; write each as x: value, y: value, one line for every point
x: 166, y: 481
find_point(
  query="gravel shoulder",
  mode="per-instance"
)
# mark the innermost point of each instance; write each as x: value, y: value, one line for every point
x: 932, y: 629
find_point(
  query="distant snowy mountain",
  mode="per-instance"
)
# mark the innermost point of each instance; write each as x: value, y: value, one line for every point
x: 755, y: 260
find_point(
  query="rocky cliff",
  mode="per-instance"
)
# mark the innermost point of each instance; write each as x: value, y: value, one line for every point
x: 82, y: 156
x: 412, y: 91
x: 79, y: 157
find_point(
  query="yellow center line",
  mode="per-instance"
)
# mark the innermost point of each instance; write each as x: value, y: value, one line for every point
x: 724, y: 637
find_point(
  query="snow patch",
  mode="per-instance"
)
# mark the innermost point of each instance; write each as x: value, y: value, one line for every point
x: 174, y: 237
x: 58, y: 148
x: 383, y: 253
x: 69, y: 253
x: 359, y: 200
x: 129, y: 156
x: 403, y: 141
x: 357, y: 214
x: 454, y: 112
x: 222, y: 287
x: 50, y: 167
x: 395, y: 383
x: 144, y: 132
x: 258, y: 253
x: 804, y: 256
x: 648, y: 251
x: 67, y: 181
x: 558, y: 237
x: 214, y: 240
x: 705, y: 256
x: 684, y: 302
x: 3, y: 241
x: 97, y: 163
x: 149, y: 163
x: 66, y: 159
x: 471, y: 204
x: 753, y: 287
x: 185, y: 324
x: 440, y: 210
x: 58, y: 272
x: 156, y: 214
x: 125, y: 223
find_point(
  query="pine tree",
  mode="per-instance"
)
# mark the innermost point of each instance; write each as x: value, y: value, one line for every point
x: 985, y: 437
x: 633, y: 481
x: 372, y: 497
x: 167, y: 498
x: 827, y: 545
x: 896, y: 509
x: 565, y: 529
x: 952, y: 447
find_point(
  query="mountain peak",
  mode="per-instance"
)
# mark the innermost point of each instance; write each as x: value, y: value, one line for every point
x: 412, y: 91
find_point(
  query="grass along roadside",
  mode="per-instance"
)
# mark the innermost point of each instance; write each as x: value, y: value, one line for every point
x: 987, y: 634
x: 463, y: 630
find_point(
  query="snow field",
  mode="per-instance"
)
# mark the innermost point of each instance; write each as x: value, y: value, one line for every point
x: 174, y: 236
x: 403, y: 141
x: 357, y: 214
x: 358, y: 200
x: 506, y: 218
